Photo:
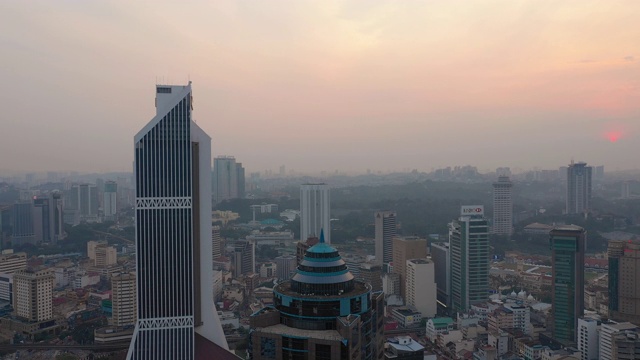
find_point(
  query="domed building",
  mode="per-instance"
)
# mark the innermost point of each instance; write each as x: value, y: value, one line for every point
x: 322, y: 312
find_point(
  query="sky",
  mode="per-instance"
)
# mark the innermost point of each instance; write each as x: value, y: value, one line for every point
x: 325, y: 85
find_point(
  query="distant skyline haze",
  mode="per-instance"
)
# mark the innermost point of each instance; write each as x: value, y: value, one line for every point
x: 317, y: 85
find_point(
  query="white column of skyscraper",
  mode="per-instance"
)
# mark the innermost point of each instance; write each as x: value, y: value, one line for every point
x: 173, y: 233
x: 315, y: 211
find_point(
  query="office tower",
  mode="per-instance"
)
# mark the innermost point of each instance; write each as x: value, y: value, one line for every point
x: 440, y: 255
x: 608, y: 331
x: 587, y: 343
x: 33, y: 294
x: 372, y: 275
x: 386, y: 230
x: 41, y: 220
x: 502, y: 206
x: 176, y: 313
x: 244, y: 258
x: 6, y: 287
x: 285, y: 266
x: 624, y: 280
x: 321, y: 313
x: 405, y: 248
x: 23, y: 226
x: 56, y: 216
x: 105, y: 256
x: 578, y: 188
x: 110, y: 201
x: 123, y: 295
x: 469, y: 247
x: 421, y: 287
x: 567, y: 282
x: 315, y: 207
x: 216, y: 242
x: 228, y: 179
x: 11, y: 262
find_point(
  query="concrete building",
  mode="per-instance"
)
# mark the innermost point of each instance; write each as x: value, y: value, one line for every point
x: 588, y: 336
x: 440, y: 255
x: 421, y: 287
x: 105, y: 256
x: 502, y: 206
x: 110, y: 201
x: 228, y: 179
x: 626, y: 345
x: 123, y: 292
x: 405, y: 248
x: 437, y: 326
x: 11, y: 262
x: 624, y: 280
x: 385, y: 230
x: 372, y: 275
x: 91, y: 248
x: 285, y: 266
x: 608, y: 331
x: 268, y: 270
x: 33, y: 294
x: 321, y: 313
x: 567, y: 266
x: 244, y: 258
x: 403, y: 347
x: 578, y: 197
x: 174, y: 267
x: 216, y: 242
x: 6, y: 287
x: 469, y: 259
x: 391, y: 283
x: 315, y: 211
x: 23, y: 226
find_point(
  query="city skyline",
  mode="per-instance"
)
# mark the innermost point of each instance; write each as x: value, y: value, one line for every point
x: 541, y: 83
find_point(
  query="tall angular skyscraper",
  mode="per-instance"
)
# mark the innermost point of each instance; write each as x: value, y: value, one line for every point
x: 469, y: 257
x: 502, y: 206
x: 228, y: 179
x: 385, y: 222
x: 315, y: 211
x: 567, y: 283
x: 177, y: 318
x: 578, y: 188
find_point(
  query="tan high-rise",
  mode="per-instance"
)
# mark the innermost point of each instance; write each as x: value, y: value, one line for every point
x: 123, y: 288
x: 33, y: 294
x: 405, y: 248
x: 624, y: 278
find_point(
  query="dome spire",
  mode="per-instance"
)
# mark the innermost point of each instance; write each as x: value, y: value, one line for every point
x: 322, y: 235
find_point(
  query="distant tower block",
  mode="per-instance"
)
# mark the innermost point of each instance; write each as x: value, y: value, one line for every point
x: 503, y: 206
x: 315, y: 211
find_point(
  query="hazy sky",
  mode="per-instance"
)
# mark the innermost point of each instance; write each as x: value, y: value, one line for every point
x: 346, y: 85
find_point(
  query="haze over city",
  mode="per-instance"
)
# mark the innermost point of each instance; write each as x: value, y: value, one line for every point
x: 347, y: 85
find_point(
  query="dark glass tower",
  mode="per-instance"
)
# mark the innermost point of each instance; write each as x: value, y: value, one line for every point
x: 176, y: 313
x: 321, y: 313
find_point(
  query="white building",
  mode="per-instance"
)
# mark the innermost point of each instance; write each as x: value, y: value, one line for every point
x: 315, y: 209
x: 285, y: 266
x: 83, y: 279
x: 391, y: 283
x: 521, y: 315
x: 64, y: 276
x: 421, y: 286
x: 110, y: 201
x: 588, y: 337
x: 123, y: 291
x: 502, y: 206
x: 268, y: 270
x: 33, y: 294
x: 607, y: 332
x: 436, y: 326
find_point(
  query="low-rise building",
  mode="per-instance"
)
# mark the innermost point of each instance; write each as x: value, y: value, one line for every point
x: 437, y: 326
x: 403, y: 347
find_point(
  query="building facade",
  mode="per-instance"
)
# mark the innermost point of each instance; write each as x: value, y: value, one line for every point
x: 567, y: 267
x: 173, y: 230
x: 440, y: 255
x: 421, y: 286
x: 469, y: 258
x: 228, y: 179
x: 624, y: 280
x: 405, y: 248
x: 123, y: 292
x: 315, y: 207
x: 386, y: 230
x: 33, y: 294
x: 502, y: 206
x: 578, y: 198
x: 587, y: 341
x: 285, y: 266
x: 110, y: 201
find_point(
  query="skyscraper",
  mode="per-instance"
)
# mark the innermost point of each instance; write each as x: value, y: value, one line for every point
x: 405, y: 248
x: 33, y: 294
x: 315, y: 209
x: 469, y: 256
x: 244, y: 258
x: 216, y: 242
x: 624, y: 280
x: 123, y: 291
x: 110, y: 200
x: 176, y: 313
x: 578, y: 197
x: 228, y: 179
x: 567, y: 283
x: 386, y: 230
x: 502, y: 206
x: 421, y: 287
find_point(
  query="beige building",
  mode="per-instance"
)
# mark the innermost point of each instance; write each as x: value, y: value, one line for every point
x: 405, y: 248
x: 11, y: 262
x: 105, y: 256
x: 91, y: 248
x: 624, y: 280
x: 33, y: 294
x: 421, y: 286
x: 123, y: 292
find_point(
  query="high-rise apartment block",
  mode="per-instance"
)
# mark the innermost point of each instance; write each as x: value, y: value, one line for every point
x: 624, y: 280
x: 286, y: 266
x: 502, y: 206
x: 315, y: 208
x: 578, y: 197
x: 386, y: 230
x: 11, y: 262
x: 176, y: 312
x: 588, y: 336
x: 105, y: 256
x: 421, y: 287
x: 469, y: 258
x: 110, y: 201
x: 244, y: 258
x: 405, y: 248
x: 216, y: 242
x: 567, y: 267
x: 123, y: 292
x: 607, y: 344
x: 33, y: 294
x: 228, y: 179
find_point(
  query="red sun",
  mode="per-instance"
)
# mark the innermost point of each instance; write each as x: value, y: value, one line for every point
x: 613, y: 136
